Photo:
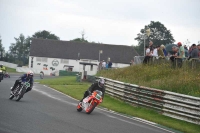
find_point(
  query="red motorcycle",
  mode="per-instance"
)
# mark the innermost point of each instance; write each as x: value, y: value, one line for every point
x: 90, y: 102
x: 6, y: 75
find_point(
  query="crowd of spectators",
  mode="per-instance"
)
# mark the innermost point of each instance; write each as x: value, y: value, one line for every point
x: 105, y: 65
x: 179, y: 53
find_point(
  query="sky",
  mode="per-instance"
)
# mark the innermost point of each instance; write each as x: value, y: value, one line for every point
x: 106, y: 21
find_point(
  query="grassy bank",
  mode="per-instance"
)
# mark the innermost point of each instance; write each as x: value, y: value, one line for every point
x: 182, y: 80
x: 69, y: 86
x: 10, y: 70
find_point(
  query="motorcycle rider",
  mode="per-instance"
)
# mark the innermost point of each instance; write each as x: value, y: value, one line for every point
x: 98, y: 85
x: 25, y: 77
x: 3, y: 70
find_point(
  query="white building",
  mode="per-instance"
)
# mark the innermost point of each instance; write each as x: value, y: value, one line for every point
x: 51, y: 56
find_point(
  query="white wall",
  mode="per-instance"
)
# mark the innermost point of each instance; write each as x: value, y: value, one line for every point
x: 7, y: 64
x: 77, y: 67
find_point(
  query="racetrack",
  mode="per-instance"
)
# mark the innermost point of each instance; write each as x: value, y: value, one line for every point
x: 44, y: 110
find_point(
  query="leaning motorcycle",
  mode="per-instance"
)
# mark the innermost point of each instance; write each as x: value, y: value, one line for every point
x: 1, y: 75
x: 6, y: 75
x: 90, y: 102
x: 20, y: 90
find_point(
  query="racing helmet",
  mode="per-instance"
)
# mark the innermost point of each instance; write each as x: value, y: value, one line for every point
x: 101, y: 82
x: 30, y: 74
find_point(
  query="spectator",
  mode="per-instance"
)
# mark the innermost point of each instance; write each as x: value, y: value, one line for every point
x: 131, y: 62
x: 106, y: 65
x: 174, y: 55
x: 164, y: 50
x: 109, y: 64
x: 181, y: 52
x: 148, y: 55
x: 151, y: 46
x: 186, y: 51
x: 189, y: 51
x: 198, y: 46
x: 103, y: 64
x: 181, y: 55
x: 100, y: 65
x: 155, y: 52
x: 194, y: 52
x: 160, y: 52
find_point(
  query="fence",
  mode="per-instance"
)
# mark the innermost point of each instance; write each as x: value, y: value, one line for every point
x: 171, y: 104
x: 192, y: 63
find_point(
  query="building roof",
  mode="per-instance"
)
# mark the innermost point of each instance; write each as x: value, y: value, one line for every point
x: 72, y: 49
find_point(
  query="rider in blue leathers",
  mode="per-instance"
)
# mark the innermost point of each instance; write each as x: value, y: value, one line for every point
x: 24, y: 77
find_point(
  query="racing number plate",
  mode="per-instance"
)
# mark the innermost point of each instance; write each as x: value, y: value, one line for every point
x: 98, y: 96
x: 27, y: 84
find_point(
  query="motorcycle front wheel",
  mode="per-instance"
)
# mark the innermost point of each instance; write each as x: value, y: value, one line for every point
x: 91, y: 108
x: 19, y: 96
x: 11, y: 96
x: 79, y: 108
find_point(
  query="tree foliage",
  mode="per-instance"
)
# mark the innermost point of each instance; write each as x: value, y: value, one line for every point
x: 45, y: 35
x: 159, y: 34
x: 2, y: 49
x: 80, y: 40
x: 19, y: 51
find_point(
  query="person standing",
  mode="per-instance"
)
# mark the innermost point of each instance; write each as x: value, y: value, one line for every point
x: 194, y: 52
x: 198, y: 46
x: 109, y: 64
x: 104, y: 64
x: 181, y: 54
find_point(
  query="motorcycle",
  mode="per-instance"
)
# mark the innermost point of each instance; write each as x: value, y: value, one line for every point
x: 6, y: 75
x: 1, y: 75
x: 90, y: 102
x: 20, y: 90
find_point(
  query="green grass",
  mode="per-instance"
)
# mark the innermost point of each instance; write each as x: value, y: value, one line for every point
x: 183, y: 80
x: 69, y: 86
x: 10, y: 70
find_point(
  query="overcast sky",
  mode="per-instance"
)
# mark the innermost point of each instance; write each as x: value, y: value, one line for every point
x: 106, y: 21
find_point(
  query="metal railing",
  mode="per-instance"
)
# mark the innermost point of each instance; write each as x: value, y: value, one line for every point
x: 192, y: 63
x: 171, y: 104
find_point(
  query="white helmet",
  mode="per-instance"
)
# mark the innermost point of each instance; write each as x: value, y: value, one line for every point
x: 30, y: 74
x: 101, y: 82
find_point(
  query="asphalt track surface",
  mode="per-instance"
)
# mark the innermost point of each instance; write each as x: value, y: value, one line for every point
x: 44, y: 110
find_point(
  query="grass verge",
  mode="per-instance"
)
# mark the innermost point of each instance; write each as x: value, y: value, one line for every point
x: 69, y: 86
x: 160, y: 76
x: 10, y: 70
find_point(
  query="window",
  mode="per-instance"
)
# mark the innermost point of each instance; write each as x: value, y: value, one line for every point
x: 91, y: 68
x: 84, y: 60
x: 41, y: 59
x: 64, y: 61
x: 38, y: 59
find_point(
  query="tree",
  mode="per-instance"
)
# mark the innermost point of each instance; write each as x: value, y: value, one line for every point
x: 45, y: 35
x: 2, y: 50
x: 81, y: 39
x: 159, y: 34
x: 20, y: 50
